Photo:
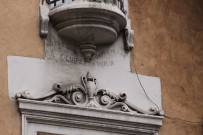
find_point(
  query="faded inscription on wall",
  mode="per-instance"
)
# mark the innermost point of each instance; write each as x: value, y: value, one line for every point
x: 57, y: 49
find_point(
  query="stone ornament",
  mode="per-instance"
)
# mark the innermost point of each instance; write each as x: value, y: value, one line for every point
x: 129, y: 34
x: 43, y: 19
x: 89, y: 22
x: 62, y: 119
x: 87, y: 95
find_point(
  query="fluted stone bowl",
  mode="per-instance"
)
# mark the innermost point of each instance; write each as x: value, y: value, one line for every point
x: 88, y: 23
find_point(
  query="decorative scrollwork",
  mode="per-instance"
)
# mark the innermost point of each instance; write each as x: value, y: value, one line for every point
x: 79, y: 98
x: 122, y: 106
x: 88, y: 96
x: 121, y: 97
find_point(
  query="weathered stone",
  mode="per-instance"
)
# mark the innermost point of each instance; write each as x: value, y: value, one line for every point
x: 43, y: 74
x: 62, y: 119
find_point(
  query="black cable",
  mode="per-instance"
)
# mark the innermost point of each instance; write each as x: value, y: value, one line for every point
x: 177, y: 119
x: 186, y: 121
x: 142, y: 85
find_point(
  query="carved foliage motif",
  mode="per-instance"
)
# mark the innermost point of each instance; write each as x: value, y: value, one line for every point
x: 87, y: 95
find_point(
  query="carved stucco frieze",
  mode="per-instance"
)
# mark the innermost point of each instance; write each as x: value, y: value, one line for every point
x: 87, y: 95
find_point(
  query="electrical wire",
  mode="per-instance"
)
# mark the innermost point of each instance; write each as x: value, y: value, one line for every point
x: 185, y: 121
x: 168, y: 117
x: 142, y: 85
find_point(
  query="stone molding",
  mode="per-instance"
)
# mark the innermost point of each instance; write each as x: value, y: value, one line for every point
x: 38, y: 113
x: 87, y: 95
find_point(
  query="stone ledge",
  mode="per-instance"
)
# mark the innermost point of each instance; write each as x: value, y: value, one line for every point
x: 54, y: 114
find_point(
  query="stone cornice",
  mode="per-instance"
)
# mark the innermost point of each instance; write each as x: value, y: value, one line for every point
x: 40, y: 112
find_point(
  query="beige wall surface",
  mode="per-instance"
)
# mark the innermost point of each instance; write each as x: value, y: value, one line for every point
x: 18, y: 37
x: 168, y: 44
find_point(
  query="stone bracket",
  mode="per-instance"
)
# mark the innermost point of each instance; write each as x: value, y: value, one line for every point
x: 129, y: 33
x: 43, y: 19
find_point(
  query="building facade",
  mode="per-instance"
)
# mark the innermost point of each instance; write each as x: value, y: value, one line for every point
x: 168, y: 44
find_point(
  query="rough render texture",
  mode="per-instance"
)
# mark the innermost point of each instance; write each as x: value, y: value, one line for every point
x: 168, y: 44
x: 18, y: 36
